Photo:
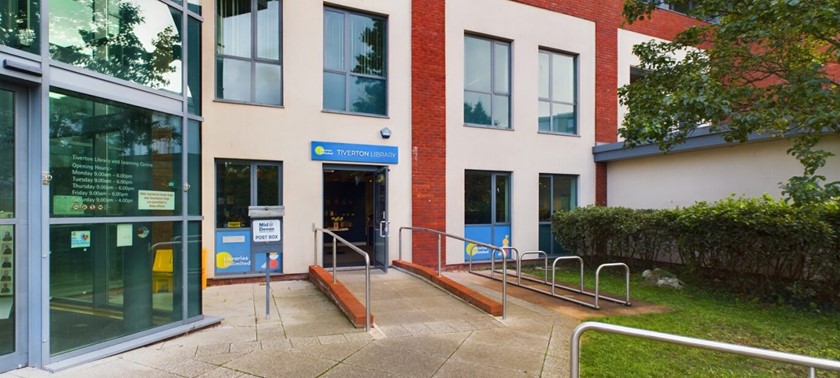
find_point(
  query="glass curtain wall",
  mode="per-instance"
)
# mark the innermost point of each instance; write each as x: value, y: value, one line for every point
x: 8, y: 322
x: 20, y: 25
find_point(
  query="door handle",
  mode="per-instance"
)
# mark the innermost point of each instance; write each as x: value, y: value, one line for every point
x: 384, y: 231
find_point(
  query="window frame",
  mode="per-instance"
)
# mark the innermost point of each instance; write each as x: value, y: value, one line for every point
x: 573, y: 204
x: 253, y: 186
x: 493, y: 91
x: 575, y: 95
x: 253, y: 60
x: 494, y: 206
x: 347, y: 72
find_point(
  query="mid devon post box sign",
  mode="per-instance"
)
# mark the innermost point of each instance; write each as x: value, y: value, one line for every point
x: 266, y: 230
x: 356, y: 153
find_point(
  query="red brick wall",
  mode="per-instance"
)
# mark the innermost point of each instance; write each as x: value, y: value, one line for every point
x: 428, y: 129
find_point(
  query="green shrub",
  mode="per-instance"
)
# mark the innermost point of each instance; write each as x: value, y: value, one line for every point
x: 758, y: 244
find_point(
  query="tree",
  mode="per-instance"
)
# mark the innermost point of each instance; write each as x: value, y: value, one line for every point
x: 760, y: 67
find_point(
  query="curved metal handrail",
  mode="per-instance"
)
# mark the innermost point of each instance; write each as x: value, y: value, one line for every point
x: 554, y: 272
x: 358, y: 250
x: 772, y: 355
x: 476, y: 245
x: 522, y: 257
x: 626, y: 281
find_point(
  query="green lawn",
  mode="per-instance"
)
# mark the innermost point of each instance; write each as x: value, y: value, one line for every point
x: 707, y: 315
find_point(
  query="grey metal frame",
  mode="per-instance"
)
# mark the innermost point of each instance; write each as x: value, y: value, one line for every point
x: 477, y: 244
x: 253, y: 59
x: 336, y: 238
x: 771, y: 355
x: 348, y: 74
x: 550, y: 99
x: 493, y: 203
x: 493, y: 93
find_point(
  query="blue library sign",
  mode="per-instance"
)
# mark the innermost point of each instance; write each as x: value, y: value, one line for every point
x: 356, y: 153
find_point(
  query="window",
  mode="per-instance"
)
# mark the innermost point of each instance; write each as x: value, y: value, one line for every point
x: 19, y: 26
x: 679, y: 7
x: 355, y: 63
x: 486, y: 82
x: 130, y: 40
x: 486, y: 211
x: 558, y: 113
x: 248, y: 51
x: 557, y: 192
x: 637, y: 74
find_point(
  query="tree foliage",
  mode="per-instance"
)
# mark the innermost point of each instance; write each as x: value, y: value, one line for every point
x: 761, y: 67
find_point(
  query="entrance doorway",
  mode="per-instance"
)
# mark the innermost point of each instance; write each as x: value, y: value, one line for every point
x: 355, y: 208
x: 13, y: 275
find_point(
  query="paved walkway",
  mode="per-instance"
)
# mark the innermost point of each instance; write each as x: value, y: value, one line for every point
x: 420, y: 331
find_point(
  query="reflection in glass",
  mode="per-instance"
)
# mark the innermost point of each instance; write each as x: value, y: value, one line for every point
x: 193, y: 269
x: 268, y: 185
x: 477, y: 64
x: 501, y: 111
x: 367, y: 95
x: 477, y: 108
x: 113, y: 280
x: 19, y: 25
x: 557, y: 93
x: 563, y: 83
x: 477, y: 198
x: 194, y: 173
x: 557, y: 192
x: 545, y: 199
x: 367, y: 45
x: 545, y: 116
x: 7, y: 154
x: 194, y: 69
x: 233, y: 194
x: 7, y: 289
x: 502, y: 199
x: 233, y: 79
x: 334, y: 91
x: 268, y: 29
x: 501, y: 68
x: 544, y: 75
x: 333, y: 40
x: 112, y: 159
x: 130, y: 40
x: 563, y: 119
x: 268, y: 83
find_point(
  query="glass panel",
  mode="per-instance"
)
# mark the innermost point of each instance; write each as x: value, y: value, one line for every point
x: 545, y: 198
x: 269, y: 84
x: 563, y: 119
x: 477, y: 64
x: 7, y: 154
x: 129, y: 40
x: 477, y: 198
x: 544, y: 75
x: 194, y: 6
x: 544, y: 120
x: 112, y: 280
x: 564, y: 193
x: 367, y: 45
x: 268, y: 29
x: 563, y: 81
x: 194, y: 168
x: 501, y: 111
x: 233, y: 194
x: 333, y: 40
x: 233, y: 27
x: 502, y: 199
x: 477, y: 108
x: 501, y: 76
x: 7, y: 289
x: 112, y: 159
x: 194, y: 68
x: 194, y: 264
x: 334, y: 91
x: 233, y: 79
x: 268, y: 185
x: 368, y: 95
x: 19, y: 25
x: 545, y: 238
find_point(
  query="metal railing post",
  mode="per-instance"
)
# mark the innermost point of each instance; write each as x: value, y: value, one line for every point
x: 504, y: 285
x: 364, y: 254
x: 335, y: 262
x: 399, y: 240
x: 439, y: 263
x: 367, y: 293
x: 626, y: 281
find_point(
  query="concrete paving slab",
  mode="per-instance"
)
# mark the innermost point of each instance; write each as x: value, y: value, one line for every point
x: 336, y: 352
x: 458, y: 369
x: 281, y: 364
x: 500, y: 356
x: 403, y: 364
x: 556, y: 367
x: 221, y: 372
x: 350, y: 371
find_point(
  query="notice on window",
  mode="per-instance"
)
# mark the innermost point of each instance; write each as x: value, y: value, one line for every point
x: 125, y: 235
x: 79, y: 239
x: 155, y: 200
x: 100, y: 182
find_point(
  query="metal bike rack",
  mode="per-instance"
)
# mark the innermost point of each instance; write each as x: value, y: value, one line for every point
x: 364, y: 254
x: 553, y: 292
x: 770, y: 355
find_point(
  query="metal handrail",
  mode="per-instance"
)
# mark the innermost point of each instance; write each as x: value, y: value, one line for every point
x: 626, y: 281
x: 504, y: 256
x: 554, y: 273
x: 358, y: 250
x: 477, y: 244
x: 771, y: 355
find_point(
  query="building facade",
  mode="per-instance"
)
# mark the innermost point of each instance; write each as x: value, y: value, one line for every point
x: 100, y: 185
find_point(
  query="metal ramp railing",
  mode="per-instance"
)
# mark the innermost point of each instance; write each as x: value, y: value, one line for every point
x: 810, y: 362
x: 336, y: 238
x: 553, y: 285
x: 440, y: 236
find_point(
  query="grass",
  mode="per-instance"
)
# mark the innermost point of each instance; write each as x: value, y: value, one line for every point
x: 704, y: 314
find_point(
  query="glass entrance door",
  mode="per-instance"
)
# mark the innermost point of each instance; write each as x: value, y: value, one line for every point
x: 12, y: 230
x: 380, y: 219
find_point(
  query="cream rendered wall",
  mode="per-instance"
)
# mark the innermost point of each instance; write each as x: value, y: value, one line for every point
x: 522, y: 151
x: 681, y: 179
x: 284, y: 134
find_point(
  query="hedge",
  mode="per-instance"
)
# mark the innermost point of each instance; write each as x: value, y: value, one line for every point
x: 757, y: 244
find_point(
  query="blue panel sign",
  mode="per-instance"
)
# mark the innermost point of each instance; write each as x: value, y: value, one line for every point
x: 233, y: 251
x: 493, y: 235
x: 356, y: 153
